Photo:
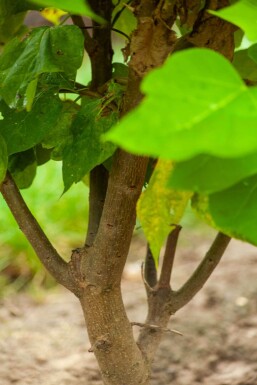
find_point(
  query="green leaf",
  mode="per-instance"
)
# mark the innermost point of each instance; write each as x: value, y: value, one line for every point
x: 207, y: 174
x: 159, y: 208
x: 245, y: 65
x: 3, y: 159
x: 234, y: 210
x: 243, y: 14
x: 86, y: 149
x: 55, y: 49
x: 61, y: 133
x: 77, y: 7
x: 22, y: 130
x: 196, y: 103
x: 23, y: 167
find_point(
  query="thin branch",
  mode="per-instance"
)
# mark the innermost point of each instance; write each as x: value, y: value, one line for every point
x: 98, y: 186
x: 169, y: 256
x: 89, y: 43
x: 181, y: 297
x: 155, y: 327
x: 35, y: 235
x: 150, y: 271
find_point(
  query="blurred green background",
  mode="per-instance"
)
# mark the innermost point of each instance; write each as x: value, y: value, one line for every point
x: 63, y: 218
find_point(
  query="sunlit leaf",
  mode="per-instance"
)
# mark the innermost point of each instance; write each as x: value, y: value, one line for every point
x: 77, y: 7
x: 53, y: 14
x: 196, y: 103
x: 243, y: 14
x: 160, y: 208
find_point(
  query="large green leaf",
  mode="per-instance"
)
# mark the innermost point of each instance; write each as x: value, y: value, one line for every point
x: 3, y: 158
x: 160, y: 208
x: 86, y: 149
x: 196, y: 103
x: 206, y: 173
x: 55, y: 49
x: 22, y: 130
x: 79, y: 7
x: 243, y: 14
x: 235, y: 210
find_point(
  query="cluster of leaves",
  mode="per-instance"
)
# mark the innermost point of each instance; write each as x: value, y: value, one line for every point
x: 37, y: 122
x: 203, y: 123
x: 199, y: 116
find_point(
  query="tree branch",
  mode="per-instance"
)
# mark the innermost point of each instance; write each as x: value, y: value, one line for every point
x: 181, y: 297
x: 35, y: 235
x: 168, y: 258
x: 150, y: 272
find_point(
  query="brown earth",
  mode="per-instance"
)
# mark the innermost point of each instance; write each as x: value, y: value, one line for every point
x: 44, y: 342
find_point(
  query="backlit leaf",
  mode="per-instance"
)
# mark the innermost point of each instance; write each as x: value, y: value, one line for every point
x: 53, y: 14
x: 159, y: 207
x: 196, y: 103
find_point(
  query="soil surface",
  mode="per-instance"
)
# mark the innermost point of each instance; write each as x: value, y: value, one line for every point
x: 43, y: 341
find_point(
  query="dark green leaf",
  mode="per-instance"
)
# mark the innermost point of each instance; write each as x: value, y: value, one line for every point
x: 23, y: 167
x: 22, y: 130
x: 3, y: 159
x: 55, y: 49
x: 86, y: 150
x: 234, y: 210
x: 42, y: 155
x: 196, y: 103
x: 205, y: 173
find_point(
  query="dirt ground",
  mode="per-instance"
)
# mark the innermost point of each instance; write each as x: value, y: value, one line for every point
x: 44, y: 342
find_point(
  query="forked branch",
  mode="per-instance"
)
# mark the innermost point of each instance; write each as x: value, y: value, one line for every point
x: 34, y: 233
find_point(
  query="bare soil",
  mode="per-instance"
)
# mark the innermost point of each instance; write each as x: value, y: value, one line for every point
x: 44, y: 341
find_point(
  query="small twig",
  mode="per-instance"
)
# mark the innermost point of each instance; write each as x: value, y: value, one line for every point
x: 118, y: 14
x: 147, y: 286
x: 149, y: 271
x: 156, y: 327
x: 169, y: 256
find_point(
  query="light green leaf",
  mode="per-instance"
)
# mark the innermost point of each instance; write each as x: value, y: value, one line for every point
x: 55, y: 49
x: 22, y: 130
x: 86, y: 149
x: 207, y: 174
x: 196, y: 103
x: 77, y: 7
x: 235, y: 210
x: 160, y: 208
x: 23, y: 167
x: 3, y: 159
x: 243, y: 14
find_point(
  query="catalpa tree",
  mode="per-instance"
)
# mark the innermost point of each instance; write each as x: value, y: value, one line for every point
x: 178, y: 117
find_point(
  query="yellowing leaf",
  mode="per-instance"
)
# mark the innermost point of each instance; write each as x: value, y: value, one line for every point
x: 160, y: 208
x: 53, y: 15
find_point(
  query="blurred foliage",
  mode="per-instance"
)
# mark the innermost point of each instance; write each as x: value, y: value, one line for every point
x: 63, y: 217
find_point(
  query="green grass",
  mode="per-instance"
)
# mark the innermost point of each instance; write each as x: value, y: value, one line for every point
x: 63, y: 218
